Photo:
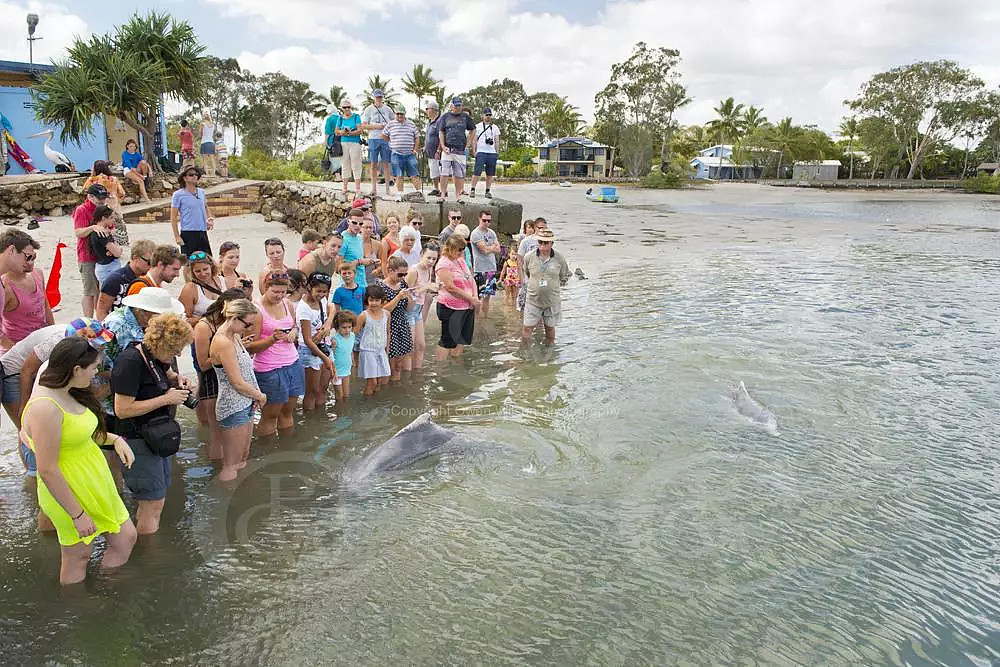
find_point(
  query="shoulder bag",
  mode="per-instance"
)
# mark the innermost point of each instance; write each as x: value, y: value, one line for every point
x: 161, y: 433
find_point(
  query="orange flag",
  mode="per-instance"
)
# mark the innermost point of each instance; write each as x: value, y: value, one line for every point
x: 52, y: 286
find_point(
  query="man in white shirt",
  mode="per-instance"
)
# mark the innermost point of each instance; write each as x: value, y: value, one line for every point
x: 487, y: 143
x: 374, y: 119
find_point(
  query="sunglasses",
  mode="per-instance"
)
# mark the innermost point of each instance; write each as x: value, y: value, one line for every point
x: 320, y: 278
x: 148, y: 261
x: 401, y: 275
x: 454, y: 217
x: 245, y: 323
x: 30, y: 258
x: 545, y: 243
x: 417, y: 223
x: 278, y: 276
x: 486, y: 220
x: 198, y: 256
x: 354, y: 222
x: 347, y: 108
x: 191, y: 173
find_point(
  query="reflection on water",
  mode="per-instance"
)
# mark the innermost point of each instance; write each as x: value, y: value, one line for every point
x: 611, y: 507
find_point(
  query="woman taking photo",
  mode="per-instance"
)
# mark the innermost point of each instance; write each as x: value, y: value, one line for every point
x: 63, y: 424
x: 276, y: 357
x: 145, y: 389
x: 347, y: 128
x: 372, y: 249
x: 208, y: 383
x: 203, y: 285
x: 229, y: 265
x: 421, y: 279
x: 238, y: 389
x: 457, y: 299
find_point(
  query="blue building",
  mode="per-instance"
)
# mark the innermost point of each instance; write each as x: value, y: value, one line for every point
x: 716, y: 163
x: 106, y: 141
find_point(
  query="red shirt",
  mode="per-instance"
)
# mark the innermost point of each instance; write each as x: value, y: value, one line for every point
x: 83, y: 216
x: 187, y: 139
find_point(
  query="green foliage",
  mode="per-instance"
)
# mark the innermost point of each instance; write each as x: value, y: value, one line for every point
x: 376, y: 81
x: 517, y: 113
x: 520, y: 170
x: 983, y: 182
x: 311, y: 161
x: 730, y: 125
x: 519, y: 154
x: 561, y: 119
x: 549, y: 169
x: 420, y: 83
x: 258, y: 166
x: 660, y: 180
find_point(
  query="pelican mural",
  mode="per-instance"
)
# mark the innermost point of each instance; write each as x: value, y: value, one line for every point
x: 61, y: 162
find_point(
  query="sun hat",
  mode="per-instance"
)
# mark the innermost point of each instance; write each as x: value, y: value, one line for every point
x: 432, y: 104
x: 98, y: 191
x: 346, y: 103
x: 545, y: 235
x: 154, y: 300
x: 378, y: 93
x: 90, y: 329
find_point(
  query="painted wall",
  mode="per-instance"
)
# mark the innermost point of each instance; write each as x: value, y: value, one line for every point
x: 17, y: 105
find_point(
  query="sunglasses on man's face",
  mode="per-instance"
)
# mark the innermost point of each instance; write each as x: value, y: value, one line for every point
x: 148, y: 261
x: 454, y: 217
x: 545, y: 243
x: 417, y: 223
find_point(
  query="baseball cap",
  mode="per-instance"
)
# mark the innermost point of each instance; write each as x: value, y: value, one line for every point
x: 378, y: 93
x: 98, y: 191
x: 487, y: 111
x: 361, y: 202
x: 457, y: 101
x: 89, y: 329
x: 401, y: 109
x: 431, y: 104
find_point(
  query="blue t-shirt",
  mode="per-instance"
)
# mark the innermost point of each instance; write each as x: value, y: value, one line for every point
x: 336, y: 121
x: 342, y: 358
x: 131, y: 160
x: 350, y: 299
x: 193, y: 217
x: 354, y: 249
x: 432, y: 141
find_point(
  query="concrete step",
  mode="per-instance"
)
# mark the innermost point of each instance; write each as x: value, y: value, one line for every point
x: 233, y: 198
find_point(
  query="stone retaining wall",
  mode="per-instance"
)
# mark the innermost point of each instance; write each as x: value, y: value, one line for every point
x: 220, y: 204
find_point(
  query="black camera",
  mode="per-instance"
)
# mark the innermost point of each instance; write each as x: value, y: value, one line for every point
x: 324, y: 348
x: 191, y: 402
x: 489, y: 141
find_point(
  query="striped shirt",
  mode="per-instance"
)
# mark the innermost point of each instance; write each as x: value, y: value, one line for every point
x: 402, y: 136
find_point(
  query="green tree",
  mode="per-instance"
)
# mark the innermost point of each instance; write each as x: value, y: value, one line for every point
x: 510, y: 105
x: 223, y: 93
x: 849, y: 130
x: 124, y: 74
x: 670, y: 97
x: 730, y: 124
x: 754, y: 120
x: 334, y: 97
x: 785, y: 139
x: 420, y: 83
x: 922, y: 102
x: 377, y: 82
x: 562, y: 119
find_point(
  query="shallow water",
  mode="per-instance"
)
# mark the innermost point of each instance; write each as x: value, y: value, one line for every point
x: 611, y: 506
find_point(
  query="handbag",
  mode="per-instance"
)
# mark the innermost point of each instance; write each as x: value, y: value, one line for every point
x: 336, y: 147
x: 162, y: 433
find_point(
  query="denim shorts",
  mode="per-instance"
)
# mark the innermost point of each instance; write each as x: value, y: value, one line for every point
x: 150, y: 474
x: 283, y: 383
x: 238, y: 418
x: 10, y: 390
x: 485, y: 162
x: 404, y: 165
x: 29, y: 459
x: 309, y: 360
x: 378, y: 150
x: 414, y: 316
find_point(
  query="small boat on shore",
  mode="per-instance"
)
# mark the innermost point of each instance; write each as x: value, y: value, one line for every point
x: 606, y: 195
x: 565, y: 184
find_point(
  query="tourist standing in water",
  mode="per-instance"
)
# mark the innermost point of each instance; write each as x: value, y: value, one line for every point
x: 208, y: 383
x: 314, y: 315
x: 456, y: 299
x: 372, y: 331
x: 276, y: 356
x: 546, y: 272
x: 421, y: 278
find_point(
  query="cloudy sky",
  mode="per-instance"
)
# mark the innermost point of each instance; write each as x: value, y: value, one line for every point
x: 793, y: 59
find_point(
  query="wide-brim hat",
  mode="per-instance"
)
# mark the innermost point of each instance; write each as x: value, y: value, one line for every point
x: 545, y: 235
x: 154, y: 300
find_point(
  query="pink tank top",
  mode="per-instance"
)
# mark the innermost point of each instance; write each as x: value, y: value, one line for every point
x: 280, y: 354
x: 463, y: 280
x: 29, y: 315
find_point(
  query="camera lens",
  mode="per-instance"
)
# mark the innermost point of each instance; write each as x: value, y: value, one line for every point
x: 191, y: 402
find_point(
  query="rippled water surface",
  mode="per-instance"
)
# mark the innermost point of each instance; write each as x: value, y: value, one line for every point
x: 610, y: 506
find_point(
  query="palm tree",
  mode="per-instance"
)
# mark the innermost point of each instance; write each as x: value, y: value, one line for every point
x: 420, y: 83
x: 337, y: 93
x: 849, y: 129
x: 561, y: 119
x: 376, y: 82
x: 785, y: 138
x: 753, y: 119
x: 442, y: 97
x: 729, y: 126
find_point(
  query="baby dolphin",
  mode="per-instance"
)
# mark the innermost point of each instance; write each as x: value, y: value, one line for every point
x: 579, y: 273
x: 752, y: 410
x: 418, y: 440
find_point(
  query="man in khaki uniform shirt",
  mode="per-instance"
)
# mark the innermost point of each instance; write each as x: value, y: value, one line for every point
x: 546, y: 272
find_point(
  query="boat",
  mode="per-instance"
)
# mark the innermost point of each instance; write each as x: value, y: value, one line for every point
x: 607, y: 195
x: 565, y: 184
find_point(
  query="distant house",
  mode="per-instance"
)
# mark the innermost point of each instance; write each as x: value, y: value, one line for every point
x: 816, y: 170
x: 988, y: 168
x: 576, y: 156
x: 715, y: 162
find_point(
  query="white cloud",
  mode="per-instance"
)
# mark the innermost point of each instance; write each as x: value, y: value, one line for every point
x: 347, y: 67
x: 314, y: 19
x: 56, y: 26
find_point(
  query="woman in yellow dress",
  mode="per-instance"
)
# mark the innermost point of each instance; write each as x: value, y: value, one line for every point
x: 64, y: 423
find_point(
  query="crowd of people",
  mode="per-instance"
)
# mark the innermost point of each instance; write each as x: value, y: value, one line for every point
x: 394, y: 143
x: 95, y: 401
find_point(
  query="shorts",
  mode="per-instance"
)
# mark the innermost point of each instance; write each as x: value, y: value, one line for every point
x: 10, y: 389
x: 435, y: 167
x: 486, y: 283
x: 208, y: 148
x: 453, y: 164
x: 456, y: 326
x: 339, y: 380
x: 90, y: 285
x: 238, y: 418
x: 29, y: 460
x: 195, y: 241
x: 533, y: 314
x: 309, y: 360
x: 283, y: 383
x: 208, y: 384
x: 102, y: 271
x: 150, y: 474
x: 414, y: 316
x: 187, y: 154
x: 485, y: 162
x: 378, y: 151
x: 404, y: 165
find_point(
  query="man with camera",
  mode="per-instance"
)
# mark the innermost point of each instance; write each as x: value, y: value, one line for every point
x: 376, y: 116
x: 487, y: 142
x: 455, y: 135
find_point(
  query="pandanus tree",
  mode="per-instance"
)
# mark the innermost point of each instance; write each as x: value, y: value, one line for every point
x: 126, y: 74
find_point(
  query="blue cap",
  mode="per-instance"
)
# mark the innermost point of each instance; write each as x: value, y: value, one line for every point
x: 457, y: 101
x: 487, y: 111
x: 378, y: 93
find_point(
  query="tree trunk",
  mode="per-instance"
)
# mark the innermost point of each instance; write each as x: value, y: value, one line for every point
x: 965, y: 166
x: 850, y: 149
x: 777, y: 170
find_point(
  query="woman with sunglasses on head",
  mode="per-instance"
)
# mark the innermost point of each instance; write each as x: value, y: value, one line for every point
x: 64, y: 424
x: 347, y: 126
x: 208, y: 384
x: 229, y: 263
x: 399, y: 305
x: 203, y: 285
x: 237, y: 383
x: 276, y: 356
x: 315, y: 317
x: 25, y: 308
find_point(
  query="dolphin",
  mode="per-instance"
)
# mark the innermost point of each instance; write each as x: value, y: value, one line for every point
x: 752, y: 410
x: 419, y: 439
